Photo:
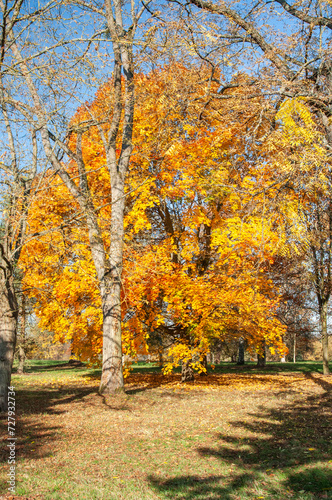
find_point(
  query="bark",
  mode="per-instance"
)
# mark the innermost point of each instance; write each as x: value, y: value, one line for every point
x: 21, y: 347
x: 112, y: 375
x: 283, y: 358
x: 187, y: 371
x: 160, y: 356
x: 8, y: 329
x: 325, y: 338
x: 240, y: 360
x: 21, y: 360
x: 204, y: 363
x: 261, y: 357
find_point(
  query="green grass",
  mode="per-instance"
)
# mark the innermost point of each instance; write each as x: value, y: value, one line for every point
x: 236, y: 434
x: 273, y: 367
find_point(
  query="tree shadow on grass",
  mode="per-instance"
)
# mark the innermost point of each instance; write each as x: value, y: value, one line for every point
x: 285, y: 451
x: 33, y: 434
x: 34, y: 431
x: 71, y: 365
x: 195, y: 487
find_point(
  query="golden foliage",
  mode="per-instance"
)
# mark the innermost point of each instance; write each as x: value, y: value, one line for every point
x: 200, y: 236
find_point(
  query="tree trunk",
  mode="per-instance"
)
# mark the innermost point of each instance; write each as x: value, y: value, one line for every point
x: 21, y: 347
x: 21, y: 360
x: 283, y: 358
x: 240, y: 360
x: 112, y: 375
x: 204, y: 363
x: 325, y: 338
x: 160, y: 356
x: 8, y: 330
x: 294, y: 348
x: 261, y: 358
x: 187, y: 371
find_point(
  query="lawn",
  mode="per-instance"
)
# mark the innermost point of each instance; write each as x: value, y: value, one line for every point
x: 238, y: 433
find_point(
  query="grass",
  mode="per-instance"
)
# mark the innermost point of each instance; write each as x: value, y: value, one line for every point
x: 237, y: 433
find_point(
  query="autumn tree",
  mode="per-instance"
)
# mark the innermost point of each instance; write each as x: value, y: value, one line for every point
x: 194, y: 254
x: 31, y: 74
x: 48, y: 80
x: 290, y: 65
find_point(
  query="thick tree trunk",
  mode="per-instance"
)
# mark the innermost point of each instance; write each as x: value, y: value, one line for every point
x: 187, y: 371
x: 8, y: 330
x: 325, y: 338
x: 261, y: 357
x: 112, y: 374
x: 240, y: 360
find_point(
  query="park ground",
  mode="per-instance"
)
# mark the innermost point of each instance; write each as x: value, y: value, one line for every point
x: 238, y: 433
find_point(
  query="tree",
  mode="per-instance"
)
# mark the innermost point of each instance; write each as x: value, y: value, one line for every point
x: 194, y: 254
x: 309, y: 185
x: 54, y: 140
x: 296, y: 65
x: 25, y: 69
x: 17, y: 172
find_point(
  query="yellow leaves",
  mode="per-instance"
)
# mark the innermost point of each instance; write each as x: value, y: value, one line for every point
x: 298, y: 124
x: 193, y: 253
x: 172, y: 149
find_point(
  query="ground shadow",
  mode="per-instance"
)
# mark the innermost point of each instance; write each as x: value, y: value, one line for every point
x: 195, y: 487
x: 51, y: 366
x: 292, y: 443
x: 35, y: 436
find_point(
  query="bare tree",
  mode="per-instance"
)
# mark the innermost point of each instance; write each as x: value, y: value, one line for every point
x: 17, y: 173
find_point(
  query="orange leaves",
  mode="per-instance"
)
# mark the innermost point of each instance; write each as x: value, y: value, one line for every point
x: 195, y: 242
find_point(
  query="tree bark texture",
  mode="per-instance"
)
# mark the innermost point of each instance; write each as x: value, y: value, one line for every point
x: 21, y: 360
x: 112, y: 375
x: 240, y: 360
x: 8, y: 330
x: 21, y: 348
x: 261, y: 357
x: 187, y: 374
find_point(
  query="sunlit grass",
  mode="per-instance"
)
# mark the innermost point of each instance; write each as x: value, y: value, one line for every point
x: 235, y: 434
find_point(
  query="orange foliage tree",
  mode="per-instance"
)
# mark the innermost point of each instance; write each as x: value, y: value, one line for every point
x: 200, y: 231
